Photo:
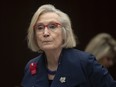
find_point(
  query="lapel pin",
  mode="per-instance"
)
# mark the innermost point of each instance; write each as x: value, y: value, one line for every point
x: 63, y: 79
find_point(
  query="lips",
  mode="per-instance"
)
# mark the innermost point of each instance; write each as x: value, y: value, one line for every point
x: 46, y: 42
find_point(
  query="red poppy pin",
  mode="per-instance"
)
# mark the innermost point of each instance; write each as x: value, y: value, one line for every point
x: 33, y: 68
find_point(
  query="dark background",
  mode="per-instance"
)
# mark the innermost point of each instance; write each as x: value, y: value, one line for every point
x: 89, y: 17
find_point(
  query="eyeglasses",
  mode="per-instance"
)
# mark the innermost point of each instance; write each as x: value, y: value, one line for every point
x: 51, y: 26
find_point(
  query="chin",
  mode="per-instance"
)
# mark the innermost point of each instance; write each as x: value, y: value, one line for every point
x: 45, y: 48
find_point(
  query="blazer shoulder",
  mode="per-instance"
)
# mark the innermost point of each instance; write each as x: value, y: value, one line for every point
x: 33, y: 60
x: 83, y: 56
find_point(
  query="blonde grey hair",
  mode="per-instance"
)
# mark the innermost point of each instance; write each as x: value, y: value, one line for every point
x: 101, y: 45
x: 68, y: 35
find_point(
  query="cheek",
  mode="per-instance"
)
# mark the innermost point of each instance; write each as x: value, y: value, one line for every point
x: 38, y: 39
x: 59, y: 37
x: 58, y: 40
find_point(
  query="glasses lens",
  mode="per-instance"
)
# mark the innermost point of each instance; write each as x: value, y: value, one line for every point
x: 52, y: 26
x: 39, y: 27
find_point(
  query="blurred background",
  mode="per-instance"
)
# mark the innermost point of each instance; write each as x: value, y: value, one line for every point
x: 89, y: 17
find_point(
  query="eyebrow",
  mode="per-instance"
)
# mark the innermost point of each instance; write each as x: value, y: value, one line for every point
x: 48, y: 22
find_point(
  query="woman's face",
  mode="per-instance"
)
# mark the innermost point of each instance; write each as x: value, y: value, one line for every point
x: 48, y: 32
x: 107, y: 61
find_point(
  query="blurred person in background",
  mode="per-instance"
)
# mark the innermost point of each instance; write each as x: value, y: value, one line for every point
x: 103, y: 47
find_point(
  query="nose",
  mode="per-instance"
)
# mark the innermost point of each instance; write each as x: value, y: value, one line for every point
x: 46, y: 32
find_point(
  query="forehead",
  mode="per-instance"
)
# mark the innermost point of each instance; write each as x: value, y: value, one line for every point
x: 48, y: 17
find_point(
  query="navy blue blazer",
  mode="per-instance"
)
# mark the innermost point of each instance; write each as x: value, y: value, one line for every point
x: 77, y: 68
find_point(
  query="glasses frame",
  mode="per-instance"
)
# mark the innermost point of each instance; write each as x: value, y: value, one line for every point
x: 46, y: 26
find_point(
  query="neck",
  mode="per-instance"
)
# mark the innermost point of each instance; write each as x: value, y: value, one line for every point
x: 53, y: 58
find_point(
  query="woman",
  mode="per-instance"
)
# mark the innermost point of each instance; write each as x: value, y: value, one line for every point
x: 59, y: 65
x: 103, y: 46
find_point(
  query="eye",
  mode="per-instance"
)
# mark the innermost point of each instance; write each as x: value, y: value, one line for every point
x: 52, y: 26
x: 40, y: 27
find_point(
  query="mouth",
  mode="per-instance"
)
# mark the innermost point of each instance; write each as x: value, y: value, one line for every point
x: 46, y: 41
